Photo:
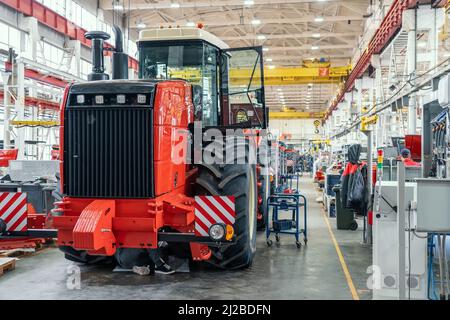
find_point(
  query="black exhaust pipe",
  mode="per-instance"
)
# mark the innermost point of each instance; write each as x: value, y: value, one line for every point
x: 119, y: 58
x: 98, y: 65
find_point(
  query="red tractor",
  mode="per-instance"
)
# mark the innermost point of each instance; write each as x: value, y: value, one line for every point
x: 125, y: 188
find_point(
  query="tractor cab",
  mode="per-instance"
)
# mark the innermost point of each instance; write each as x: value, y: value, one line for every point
x: 228, y: 84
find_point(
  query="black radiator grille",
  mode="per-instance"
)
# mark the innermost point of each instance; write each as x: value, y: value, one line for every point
x: 108, y: 152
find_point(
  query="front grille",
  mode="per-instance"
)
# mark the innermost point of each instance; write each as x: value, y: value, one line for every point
x: 108, y: 152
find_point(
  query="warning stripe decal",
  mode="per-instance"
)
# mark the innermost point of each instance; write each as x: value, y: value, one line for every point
x: 13, y: 210
x: 213, y: 209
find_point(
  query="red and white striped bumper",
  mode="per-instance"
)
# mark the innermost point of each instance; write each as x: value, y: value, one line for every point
x: 210, y: 210
x: 13, y: 210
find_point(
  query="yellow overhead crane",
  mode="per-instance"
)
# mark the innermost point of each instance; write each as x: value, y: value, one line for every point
x: 308, y: 73
x: 293, y: 75
x: 289, y: 115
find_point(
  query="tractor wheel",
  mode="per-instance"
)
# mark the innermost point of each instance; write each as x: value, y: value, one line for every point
x: 236, y: 180
x: 82, y: 257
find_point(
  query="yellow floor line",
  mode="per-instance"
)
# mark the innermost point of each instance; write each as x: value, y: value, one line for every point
x: 351, y: 286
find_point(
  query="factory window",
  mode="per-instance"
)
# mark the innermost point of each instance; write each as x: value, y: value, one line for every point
x: 10, y: 37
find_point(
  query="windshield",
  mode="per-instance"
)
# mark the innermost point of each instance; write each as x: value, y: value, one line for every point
x: 195, y: 62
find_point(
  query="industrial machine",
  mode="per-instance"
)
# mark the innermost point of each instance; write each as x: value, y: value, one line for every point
x: 134, y: 171
x: 386, y: 246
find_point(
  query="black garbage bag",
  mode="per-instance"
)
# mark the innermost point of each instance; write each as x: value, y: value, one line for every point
x: 354, y: 152
x: 357, y: 190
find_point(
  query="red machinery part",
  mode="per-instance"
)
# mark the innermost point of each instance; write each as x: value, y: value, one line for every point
x: 11, y: 244
x: 6, y: 155
x: 413, y: 142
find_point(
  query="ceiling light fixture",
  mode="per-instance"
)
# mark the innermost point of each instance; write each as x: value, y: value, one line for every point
x: 265, y: 49
x: 256, y: 22
x: 314, y: 48
x: 174, y: 5
x: 141, y: 25
x: 261, y: 37
x: 319, y: 19
x: 249, y: 2
x: 190, y: 24
x: 316, y: 35
x: 422, y: 44
x: 269, y: 59
x: 271, y: 67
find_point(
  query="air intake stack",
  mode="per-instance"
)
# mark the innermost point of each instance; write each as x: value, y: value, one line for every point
x: 98, y: 66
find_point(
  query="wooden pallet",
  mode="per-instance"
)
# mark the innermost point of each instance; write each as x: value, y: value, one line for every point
x: 7, y: 264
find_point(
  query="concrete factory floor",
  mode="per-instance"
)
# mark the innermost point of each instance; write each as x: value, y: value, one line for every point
x: 280, y: 272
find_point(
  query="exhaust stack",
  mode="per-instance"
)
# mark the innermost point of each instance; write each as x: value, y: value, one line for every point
x: 119, y: 58
x: 98, y: 65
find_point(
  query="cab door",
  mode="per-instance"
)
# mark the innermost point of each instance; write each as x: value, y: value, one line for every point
x: 242, y: 88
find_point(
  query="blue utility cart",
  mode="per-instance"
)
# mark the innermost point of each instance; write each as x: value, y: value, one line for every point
x: 293, y: 203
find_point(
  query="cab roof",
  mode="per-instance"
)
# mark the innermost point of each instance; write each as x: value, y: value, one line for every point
x: 181, y: 33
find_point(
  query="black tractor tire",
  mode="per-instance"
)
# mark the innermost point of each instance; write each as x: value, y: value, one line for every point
x: 81, y: 256
x: 238, y: 180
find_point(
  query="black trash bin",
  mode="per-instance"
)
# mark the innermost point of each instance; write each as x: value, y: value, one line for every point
x: 345, y: 218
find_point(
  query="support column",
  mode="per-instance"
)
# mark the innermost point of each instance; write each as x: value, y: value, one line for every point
x: 76, y: 47
x: 20, y: 108
x: 401, y: 207
x: 367, y: 237
x: 410, y: 24
x: 7, y: 110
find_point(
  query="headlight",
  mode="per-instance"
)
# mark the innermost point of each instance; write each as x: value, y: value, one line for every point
x: 217, y: 231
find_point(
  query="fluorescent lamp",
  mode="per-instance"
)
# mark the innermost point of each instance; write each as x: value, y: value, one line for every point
x: 319, y: 19
x: 261, y: 37
x: 256, y: 22
x: 190, y: 24
x: 422, y: 44
x: 314, y: 48
x: 141, y: 25
x: 174, y: 5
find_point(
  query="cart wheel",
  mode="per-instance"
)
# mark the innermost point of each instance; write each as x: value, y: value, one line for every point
x: 354, y: 226
x: 277, y: 238
x: 269, y: 242
x: 299, y: 244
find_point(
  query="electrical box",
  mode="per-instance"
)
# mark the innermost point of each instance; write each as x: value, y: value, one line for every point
x: 433, y: 205
x: 385, y: 246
